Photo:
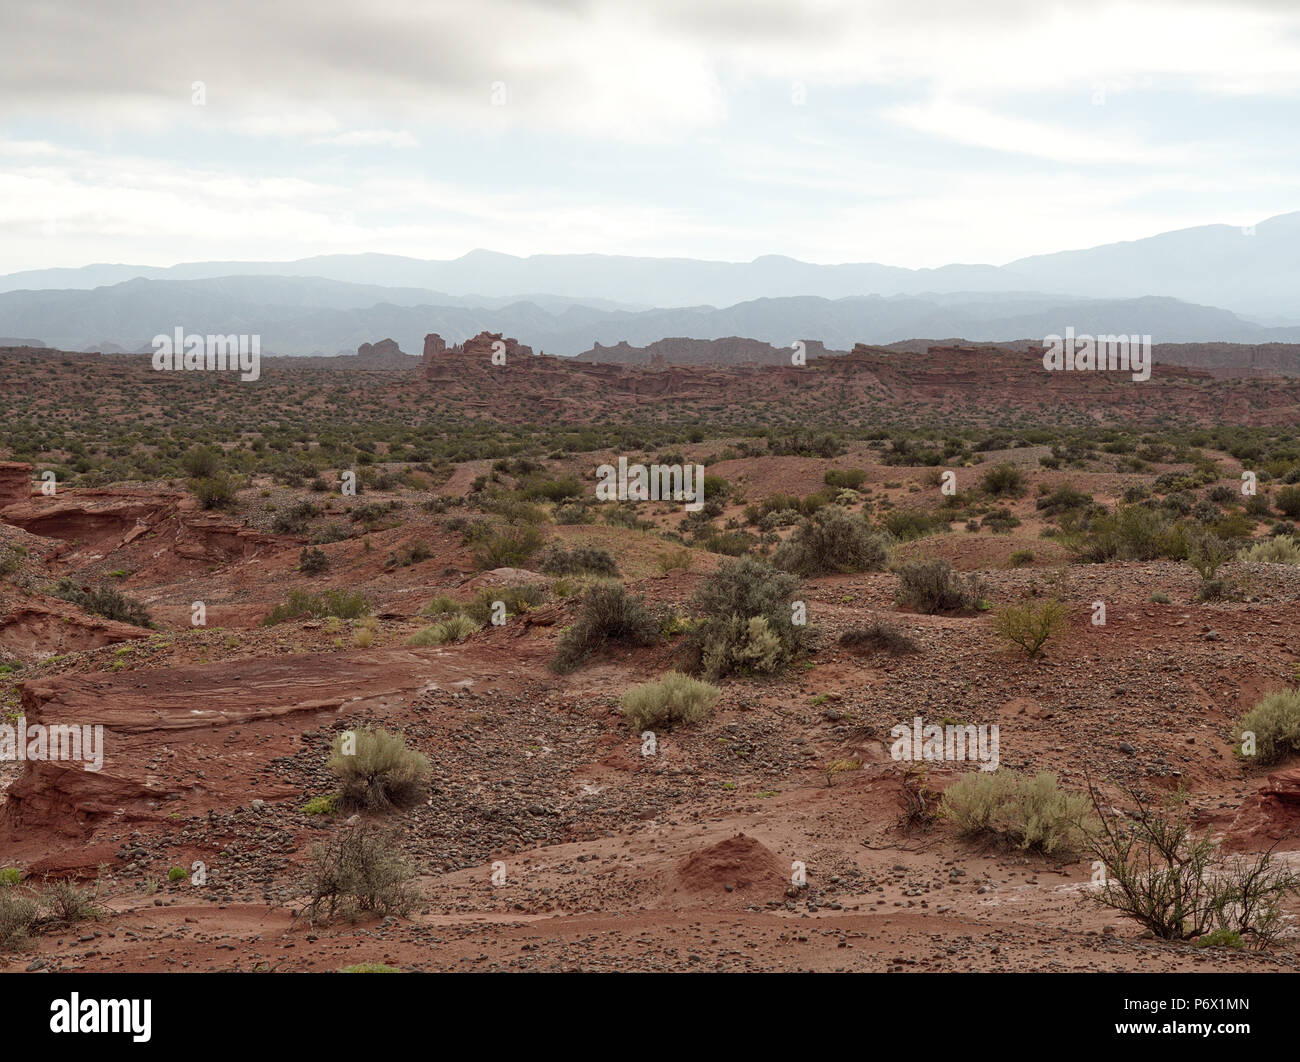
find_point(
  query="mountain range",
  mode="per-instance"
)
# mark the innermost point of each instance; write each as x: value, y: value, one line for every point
x: 1213, y: 283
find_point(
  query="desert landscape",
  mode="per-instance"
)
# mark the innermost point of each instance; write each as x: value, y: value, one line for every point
x: 230, y: 588
x: 604, y: 492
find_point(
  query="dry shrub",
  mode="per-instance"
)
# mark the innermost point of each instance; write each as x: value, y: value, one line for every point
x: 380, y: 773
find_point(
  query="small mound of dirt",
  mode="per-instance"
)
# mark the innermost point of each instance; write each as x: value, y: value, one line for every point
x: 742, y: 862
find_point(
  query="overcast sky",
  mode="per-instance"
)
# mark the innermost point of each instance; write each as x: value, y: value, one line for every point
x: 913, y: 133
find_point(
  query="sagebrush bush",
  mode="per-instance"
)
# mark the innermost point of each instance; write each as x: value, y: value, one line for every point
x: 1030, y: 626
x: 216, y: 492
x: 1133, y: 532
x: 517, y: 598
x: 1280, y: 550
x: 833, y: 540
x: 376, y: 770
x: 294, y: 520
x: 1275, y: 722
x: 932, y: 586
x: 727, y: 603
x: 19, y: 913
x: 607, y: 614
x: 510, y: 547
x: 1004, y: 481
x: 356, y: 872
x: 304, y: 605
x: 581, y: 560
x: 907, y: 524
x: 313, y: 561
x: 1020, y: 811
x: 1288, y: 502
x: 442, y: 605
x: 451, y: 629
x: 105, y: 601
x: 675, y: 698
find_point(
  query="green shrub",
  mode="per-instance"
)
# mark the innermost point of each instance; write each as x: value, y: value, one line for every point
x: 313, y: 561
x: 214, y: 492
x: 1288, y: 502
x: 608, y: 614
x: 322, y: 805
x: 356, y: 872
x: 451, y: 629
x: 674, y: 698
x: 832, y: 541
x: 201, y: 462
x: 517, y: 598
x: 1133, y: 532
x: 931, y: 586
x: 1207, y: 553
x: 1030, y: 626
x: 510, y: 547
x: 1000, y: 521
x: 1021, y: 557
x: 442, y: 605
x: 177, y: 874
x: 19, y: 914
x: 589, y: 560
x: 745, y: 620
x: 1020, y: 811
x: 1280, y: 550
x: 907, y: 524
x: 1004, y: 481
x: 1178, y: 886
x: 1275, y: 722
x: 1064, y: 499
x: 105, y: 601
x: 376, y: 770
x: 303, y: 605
x: 10, y: 876
x: 851, y: 478
x: 408, y: 555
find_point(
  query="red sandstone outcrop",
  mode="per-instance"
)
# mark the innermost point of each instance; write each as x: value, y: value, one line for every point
x: 181, y: 740
x: 37, y: 627
x: 15, y: 482
x: 1271, y: 816
x: 384, y: 355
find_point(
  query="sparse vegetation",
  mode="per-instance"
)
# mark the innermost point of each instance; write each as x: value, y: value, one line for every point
x: 105, y: 601
x: 376, y: 771
x: 1273, y: 726
x: 672, y: 700
x: 932, y: 586
x: 301, y: 604
x: 1030, y: 626
x: 607, y: 614
x: 832, y: 541
x: 745, y: 621
x: 1175, y: 884
x: 359, y: 872
x: 1020, y: 811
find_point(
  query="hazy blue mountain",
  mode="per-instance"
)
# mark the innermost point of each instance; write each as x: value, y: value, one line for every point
x: 306, y: 316
x: 1256, y: 275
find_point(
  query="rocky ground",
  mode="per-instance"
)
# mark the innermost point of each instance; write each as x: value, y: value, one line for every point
x: 547, y: 840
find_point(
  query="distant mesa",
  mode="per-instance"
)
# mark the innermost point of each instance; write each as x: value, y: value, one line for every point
x: 731, y: 350
x: 385, y: 354
x: 483, y: 345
